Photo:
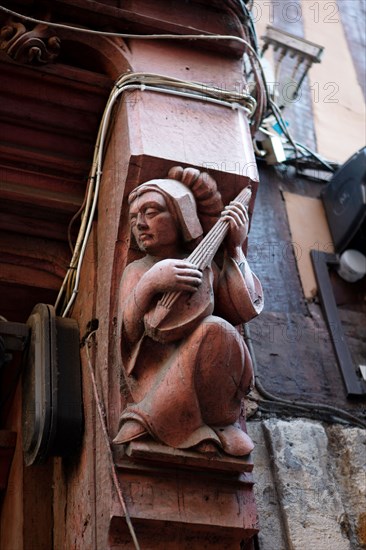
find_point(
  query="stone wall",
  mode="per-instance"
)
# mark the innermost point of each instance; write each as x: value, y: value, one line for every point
x: 310, y: 485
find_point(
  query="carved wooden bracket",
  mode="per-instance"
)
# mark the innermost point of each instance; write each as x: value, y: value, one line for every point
x: 38, y: 45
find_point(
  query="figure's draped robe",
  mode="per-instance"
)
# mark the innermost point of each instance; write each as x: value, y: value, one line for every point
x: 189, y: 391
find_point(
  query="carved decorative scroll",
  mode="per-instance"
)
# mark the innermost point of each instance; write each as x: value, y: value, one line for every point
x: 36, y: 46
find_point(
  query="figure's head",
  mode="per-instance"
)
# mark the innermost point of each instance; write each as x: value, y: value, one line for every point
x: 163, y: 217
x: 177, y: 197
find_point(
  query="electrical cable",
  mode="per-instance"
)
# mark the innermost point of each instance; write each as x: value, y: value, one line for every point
x: 93, y: 206
x: 202, y: 91
x: 245, y: 10
x: 317, y: 157
x: 239, y: 8
x: 193, y: 96
x: 125, y: 35
x: 101, y: 414
x: 74, y: 218
x: 281, y: 122
x: 328, y: 412
x: 278, y: 115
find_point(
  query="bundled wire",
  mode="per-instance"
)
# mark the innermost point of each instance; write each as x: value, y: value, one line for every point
x: 274, y: 403
x: 266, y: 105
x: 195, y: 90
x: 300, y: 150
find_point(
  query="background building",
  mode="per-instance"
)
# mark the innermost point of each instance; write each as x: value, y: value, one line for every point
x: 309, y: 461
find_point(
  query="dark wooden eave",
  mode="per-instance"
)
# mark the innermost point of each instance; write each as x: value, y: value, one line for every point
x: 49, y: 118
x: 143, y: 17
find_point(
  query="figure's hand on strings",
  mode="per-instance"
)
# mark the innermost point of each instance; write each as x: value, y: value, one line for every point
x: 237, y: 216
x: 174, y: 275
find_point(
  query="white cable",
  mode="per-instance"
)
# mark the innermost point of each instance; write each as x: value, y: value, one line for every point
x: 232, y: 105
x: 271, y: 134
x: 105, y: 122
x: 101, y: 414
x: 127, y: 35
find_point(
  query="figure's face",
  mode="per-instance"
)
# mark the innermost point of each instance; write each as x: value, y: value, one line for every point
x: 153, y: 226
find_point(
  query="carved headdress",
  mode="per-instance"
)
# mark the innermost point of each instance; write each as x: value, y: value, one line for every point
x: 191, y: 195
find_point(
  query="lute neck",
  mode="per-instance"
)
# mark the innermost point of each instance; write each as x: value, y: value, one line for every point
x: 205, y: 251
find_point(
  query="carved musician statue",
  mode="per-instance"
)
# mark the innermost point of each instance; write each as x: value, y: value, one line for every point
x: 187, y: 365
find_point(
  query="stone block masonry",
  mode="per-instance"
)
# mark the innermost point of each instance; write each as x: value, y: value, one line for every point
x: 312, y: 477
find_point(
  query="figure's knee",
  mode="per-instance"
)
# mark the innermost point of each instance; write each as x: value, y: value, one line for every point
x: 219, y: 331
x: 220, y: 350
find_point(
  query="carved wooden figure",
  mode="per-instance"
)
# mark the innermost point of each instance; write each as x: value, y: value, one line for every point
x: 187, y: 365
